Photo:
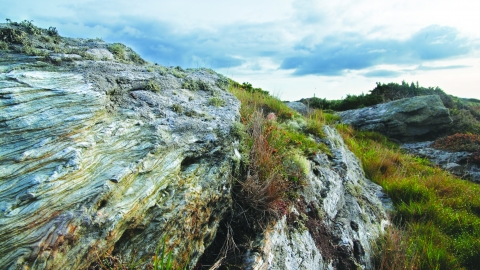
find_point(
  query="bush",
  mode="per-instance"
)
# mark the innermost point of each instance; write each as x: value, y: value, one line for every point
x: 459, y: 142
x: 118, y: 50
x: 216, y: 101
x: 152, y: 86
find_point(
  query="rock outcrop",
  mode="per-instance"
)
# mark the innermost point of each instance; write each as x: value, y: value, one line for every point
x: 453, y: 162
x: 102, y: 153
x: 98, y: 156
x: 333, y: 223
x: 416, y: 118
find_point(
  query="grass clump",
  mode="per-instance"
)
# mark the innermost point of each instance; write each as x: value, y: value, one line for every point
x: 118, y: 50
x: 153, y: 86
x: 439, y: 213
x: 216, y: 102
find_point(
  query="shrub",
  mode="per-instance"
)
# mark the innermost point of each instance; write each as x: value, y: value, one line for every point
x: 459, y: 142
x: 118, y: 50
x: 216, y: 101
x: 3, y: 46
x: 177, y: 108
x: 152, y: 86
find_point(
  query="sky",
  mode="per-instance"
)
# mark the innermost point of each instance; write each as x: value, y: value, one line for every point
x: 292, y: 48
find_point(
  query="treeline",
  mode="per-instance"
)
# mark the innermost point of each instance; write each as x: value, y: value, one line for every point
x: 380, y: 94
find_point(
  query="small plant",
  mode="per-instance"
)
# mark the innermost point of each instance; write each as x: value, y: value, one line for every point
x: 152, y: 86
x: 216, y: 101
x: 3, y: 46
x: 118, y: 50
x: 177, y: 108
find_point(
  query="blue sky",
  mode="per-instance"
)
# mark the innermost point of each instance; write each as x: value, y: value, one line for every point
x: 292, y: 48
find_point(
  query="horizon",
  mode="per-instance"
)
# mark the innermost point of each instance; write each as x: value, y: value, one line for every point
x: 292, y: 48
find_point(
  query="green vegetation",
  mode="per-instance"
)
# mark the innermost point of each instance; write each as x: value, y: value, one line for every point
x: 438, y: 214
x: 152, y: 86
x: 275, y: 147
x: 216, y: 101
x: 194, y: 85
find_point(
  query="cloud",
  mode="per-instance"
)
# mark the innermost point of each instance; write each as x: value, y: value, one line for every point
x: 382, y: 73
x: 422, y: 67
x: 336, y: 54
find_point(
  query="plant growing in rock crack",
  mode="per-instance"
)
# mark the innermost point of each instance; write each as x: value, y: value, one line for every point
x: 216, y: 101
x: 118, y: 50
x: 152, y: 86
x: 177, y: 108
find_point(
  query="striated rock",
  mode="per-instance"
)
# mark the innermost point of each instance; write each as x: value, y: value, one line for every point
x: 333, y: 224
x: 416, y: 118
x: 453, y: 162
x: 95, y: 158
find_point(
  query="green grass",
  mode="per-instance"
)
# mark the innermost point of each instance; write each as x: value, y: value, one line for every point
x: 439, y: 213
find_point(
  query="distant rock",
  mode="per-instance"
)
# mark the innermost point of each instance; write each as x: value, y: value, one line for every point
x: 409, y: 119
x: 298, y: 106
x: 453, y: 162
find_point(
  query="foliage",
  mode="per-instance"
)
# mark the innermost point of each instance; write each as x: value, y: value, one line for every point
x: 216, y: 101
x: 190, y: 84
x: 118, y: 50
x: 439, y: 213
x: 277, y: 143
x: 461, y: 142
x: 177, y: 108
x: 152, y: 86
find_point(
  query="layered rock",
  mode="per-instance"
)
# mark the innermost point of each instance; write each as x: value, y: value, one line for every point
x: 334, y: 222
x: 416, y: 118
x: 104, y: 156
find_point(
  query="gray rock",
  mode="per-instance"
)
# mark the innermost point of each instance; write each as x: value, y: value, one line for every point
x: 453, y: 162
x: 334, y: 225
x: 406, y: 119
x: 92, y: 161
x: 100, y: 54
x: 298, y: 106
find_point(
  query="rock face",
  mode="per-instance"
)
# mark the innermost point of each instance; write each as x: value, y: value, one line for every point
x: 417, y: 118
x: 333, y: 223
x: 98, y: 156
x: 453, y: 162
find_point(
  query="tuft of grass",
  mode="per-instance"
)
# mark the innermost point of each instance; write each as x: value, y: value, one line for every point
x: 439, y: 212
x: 152, y: 86
x: 177, y: 108
x: 216, y: 101
x: 118, y: 50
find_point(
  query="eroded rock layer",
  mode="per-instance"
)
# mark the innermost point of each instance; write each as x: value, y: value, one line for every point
x: 100, y: 156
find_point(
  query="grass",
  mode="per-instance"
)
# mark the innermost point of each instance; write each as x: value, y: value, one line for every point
x: 276, y: 144
x: 439, y: 213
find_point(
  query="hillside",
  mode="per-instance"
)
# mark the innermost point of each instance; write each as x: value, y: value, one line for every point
x: 110, y: 162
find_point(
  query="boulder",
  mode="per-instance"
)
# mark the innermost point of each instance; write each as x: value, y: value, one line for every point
x: 94, y: 159
x: 298, y: 106
x: 409, y: 119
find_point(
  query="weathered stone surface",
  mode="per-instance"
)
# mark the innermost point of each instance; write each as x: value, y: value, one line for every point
x: 299, y: 107
x: 453, y: 162
x: 91, y: 161
x: 405, y: 119
x: 333, y: 224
